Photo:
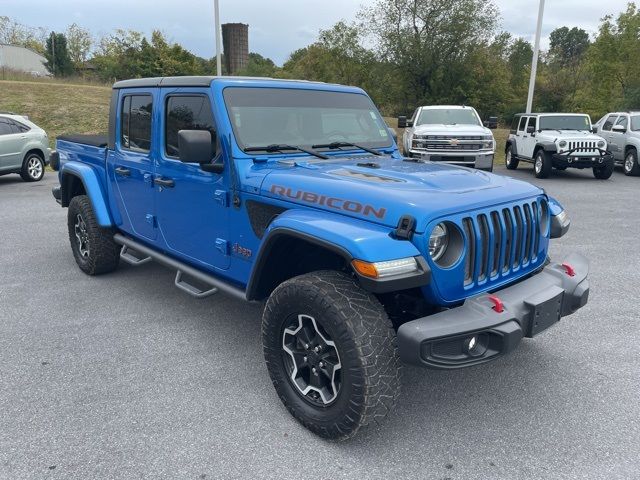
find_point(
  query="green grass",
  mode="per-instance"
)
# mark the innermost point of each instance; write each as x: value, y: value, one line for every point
x: 58, y: 108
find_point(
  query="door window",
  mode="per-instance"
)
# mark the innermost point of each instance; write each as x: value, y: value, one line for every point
x: 135, y: 129
x: 186, y: 112
x: 5, y: 127
x: 623, y: 121
x: 532, y: 122
x: 523, y: 122
x: 609, y: 123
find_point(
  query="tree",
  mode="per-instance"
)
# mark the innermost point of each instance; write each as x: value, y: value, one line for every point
x: 57, y: 55
x: 79, y: 43
x: 259, y: 66
x: 430, y: 42
x: 14, y: 33
x: 568, y: 45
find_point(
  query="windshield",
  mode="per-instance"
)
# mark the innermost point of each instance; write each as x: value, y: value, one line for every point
x: 448, y: 116
x: 635, y: 123
x: 268, y: 116
x: 565, y: 122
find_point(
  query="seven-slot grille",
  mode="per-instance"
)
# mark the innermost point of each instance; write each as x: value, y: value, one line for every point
x: 583, y: 146
x: 502, y: 241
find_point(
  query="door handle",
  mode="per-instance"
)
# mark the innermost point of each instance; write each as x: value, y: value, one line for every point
x: 164, y: 182
x: 125, y: 172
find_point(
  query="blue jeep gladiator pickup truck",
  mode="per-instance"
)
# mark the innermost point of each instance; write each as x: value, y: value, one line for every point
x: 294, y: 193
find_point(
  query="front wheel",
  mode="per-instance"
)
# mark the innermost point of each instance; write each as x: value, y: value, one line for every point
x: 542, y: 164
x: 331, y: 353
x: 93, y: 246
x: 602, y: 173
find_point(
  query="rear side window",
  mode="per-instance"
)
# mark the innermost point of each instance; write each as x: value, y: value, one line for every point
x: 135, y: 131
x: 609, y: 123
x: 186, y: 112
x: 514, y: 124
x: 523, y: 122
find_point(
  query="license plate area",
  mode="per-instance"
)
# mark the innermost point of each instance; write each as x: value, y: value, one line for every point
x: 546, y: 308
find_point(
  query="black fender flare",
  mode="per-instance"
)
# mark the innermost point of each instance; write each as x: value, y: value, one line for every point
x: 514, y: 147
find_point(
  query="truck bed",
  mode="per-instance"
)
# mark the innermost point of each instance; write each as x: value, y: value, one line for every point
x: 94, y: 140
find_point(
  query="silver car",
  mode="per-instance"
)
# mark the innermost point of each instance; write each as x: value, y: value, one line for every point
x: 621, y: 130
x: 24, y: 147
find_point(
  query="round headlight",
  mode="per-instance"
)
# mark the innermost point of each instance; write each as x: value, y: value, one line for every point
x: 438, y: 241
x: 562, y: 143
x: 601, y: 144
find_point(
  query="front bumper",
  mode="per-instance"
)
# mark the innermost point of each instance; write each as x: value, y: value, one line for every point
x: 580, y: 160
x: 481, y: 160
x: 496, y: 321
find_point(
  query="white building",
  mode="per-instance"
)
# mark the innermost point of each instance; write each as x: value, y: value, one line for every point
x: 22, y: 59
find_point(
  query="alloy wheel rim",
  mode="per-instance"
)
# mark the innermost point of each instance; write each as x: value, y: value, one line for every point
x: 628, y: 163
x: 82, y: 236
x: 312, y: 361
x: 34, y: 167
x: 509, y: 157
x: 538, y: 164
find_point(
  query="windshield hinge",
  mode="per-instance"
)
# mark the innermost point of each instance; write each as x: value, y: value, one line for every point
x: 406, y: 227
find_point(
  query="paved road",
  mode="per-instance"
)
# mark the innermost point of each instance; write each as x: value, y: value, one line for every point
x: 123, y: 376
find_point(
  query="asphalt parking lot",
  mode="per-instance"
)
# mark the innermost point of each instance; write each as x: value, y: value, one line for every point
x: 124, y: 376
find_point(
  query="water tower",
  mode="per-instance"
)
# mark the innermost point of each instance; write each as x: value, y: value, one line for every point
x: 235, y: 41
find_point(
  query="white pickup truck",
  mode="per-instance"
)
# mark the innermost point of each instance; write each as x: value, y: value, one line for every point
x: 448, y: 133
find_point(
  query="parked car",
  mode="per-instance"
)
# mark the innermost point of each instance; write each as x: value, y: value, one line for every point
x: 557, y: 140
x: 491, y: 122
x: 621, y: 130
x: 24, y: 147
x: 294, y: 193
x: 450, y: 134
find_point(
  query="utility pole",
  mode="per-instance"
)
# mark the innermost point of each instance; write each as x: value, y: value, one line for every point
x: 218, y: 60
x: 534, y: 63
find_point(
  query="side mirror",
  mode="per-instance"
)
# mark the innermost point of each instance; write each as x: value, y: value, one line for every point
x: 402, y: 121
x: 531, y: 129
x: 197, y: 146
x: 594, y: 129
x: 618, y: 129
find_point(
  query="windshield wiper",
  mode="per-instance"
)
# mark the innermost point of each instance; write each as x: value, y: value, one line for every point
x: 281, y: 148
x: 333, y: 145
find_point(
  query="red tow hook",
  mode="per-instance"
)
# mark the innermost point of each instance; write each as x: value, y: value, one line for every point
x: 498, y: 306
x: 569, y: 270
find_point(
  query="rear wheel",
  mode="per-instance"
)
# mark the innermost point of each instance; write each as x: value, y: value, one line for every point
x: 509, y: 160
x: 32, y: 168
x: 331, y: 353
x: 93, y: 246
x: 631, y: 166
x: 604, y: 172
x: 542, y: 164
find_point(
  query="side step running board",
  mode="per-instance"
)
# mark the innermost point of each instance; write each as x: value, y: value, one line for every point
x: 127, y: 254
x: 148, y: 254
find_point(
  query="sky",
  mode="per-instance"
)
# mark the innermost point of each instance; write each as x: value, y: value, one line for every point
x: 276, y: 27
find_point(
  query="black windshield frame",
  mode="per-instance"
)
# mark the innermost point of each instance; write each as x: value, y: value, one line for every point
x: 291, y: 101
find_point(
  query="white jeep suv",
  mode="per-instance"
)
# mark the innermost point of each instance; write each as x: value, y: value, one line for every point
x: 557, y: 140
x: 448, y: 133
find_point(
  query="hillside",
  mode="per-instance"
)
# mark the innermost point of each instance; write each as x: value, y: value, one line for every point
x: 58, y: 107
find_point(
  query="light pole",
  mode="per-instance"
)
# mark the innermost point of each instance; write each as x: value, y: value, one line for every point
x: 218, y: 60
x: 534, y: 63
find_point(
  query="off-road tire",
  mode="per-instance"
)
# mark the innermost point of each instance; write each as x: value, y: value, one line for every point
x: 630, y: 165
x: 542, y: 164
x: 32, y: 167
x: 604, y: 172
x: 364, y: 339
x: 101, y: 254
x: 510, y: 161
